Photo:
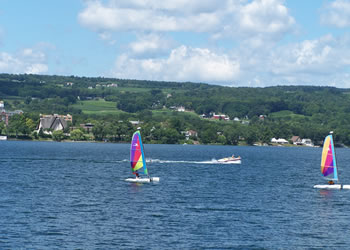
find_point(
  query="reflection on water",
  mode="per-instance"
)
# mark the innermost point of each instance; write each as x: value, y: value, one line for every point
x: 326, y: 193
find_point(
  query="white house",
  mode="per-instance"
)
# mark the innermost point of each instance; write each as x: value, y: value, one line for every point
x: 307, y: 142
x: 236, y: 119
x: 135, y: 123
x: 181, y: 109
x: 190, y: 133
x: 279, y: 141
x: 112, y: 85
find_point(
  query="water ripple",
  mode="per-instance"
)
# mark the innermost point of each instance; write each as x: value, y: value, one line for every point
x: 73, y: 196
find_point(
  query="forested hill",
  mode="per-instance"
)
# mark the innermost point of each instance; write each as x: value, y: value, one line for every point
x: 307, y: 111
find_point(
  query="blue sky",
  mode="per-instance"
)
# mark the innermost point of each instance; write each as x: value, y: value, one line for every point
x: 254, y: 43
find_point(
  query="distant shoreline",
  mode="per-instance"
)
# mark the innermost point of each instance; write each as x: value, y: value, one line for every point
x: 239, y: 145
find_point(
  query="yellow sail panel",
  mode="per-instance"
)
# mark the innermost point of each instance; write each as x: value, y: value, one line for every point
x: 139, y: 164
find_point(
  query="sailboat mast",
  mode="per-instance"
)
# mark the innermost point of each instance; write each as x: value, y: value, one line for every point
x: 335, y: 158
x: 144, y: 160
x: 143, y: 154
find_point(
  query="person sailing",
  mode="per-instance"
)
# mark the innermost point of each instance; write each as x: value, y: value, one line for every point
x: 137, y: 175
x: 331, y: 182
x: 238, y: 158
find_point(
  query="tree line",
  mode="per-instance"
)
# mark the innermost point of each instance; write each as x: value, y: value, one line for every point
x: 306, y: 111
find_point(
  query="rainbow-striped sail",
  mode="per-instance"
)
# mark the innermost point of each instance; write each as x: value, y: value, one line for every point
x: 328, y: 162
x: 137, y: 156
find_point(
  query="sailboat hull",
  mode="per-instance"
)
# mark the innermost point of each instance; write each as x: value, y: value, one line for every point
x: 335, y: 186
x: 143, y: 180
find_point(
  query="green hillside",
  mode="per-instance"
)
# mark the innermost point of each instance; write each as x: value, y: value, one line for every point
x: 306, y: 111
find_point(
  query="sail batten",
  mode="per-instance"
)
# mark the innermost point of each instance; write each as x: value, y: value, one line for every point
x: 328, y: 161
x: 137, y: 156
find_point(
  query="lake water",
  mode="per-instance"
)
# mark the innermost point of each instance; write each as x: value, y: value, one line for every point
x: 72, y: 196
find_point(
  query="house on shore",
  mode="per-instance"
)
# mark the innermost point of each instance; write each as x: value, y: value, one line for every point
x: 87, y: 127
x: 307, y: 142
x: 136, y: 123
x: 221, y: 117
x: 5, y: 115
x: 53, y: 122
x: 191, y: 133
x: 279, y: 141
x: 296, y: 140
x: 181, y: 109
x: 303, y: 142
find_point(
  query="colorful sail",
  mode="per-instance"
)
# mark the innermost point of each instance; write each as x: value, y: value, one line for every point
x: 328, y: 162
x: 137, y: 156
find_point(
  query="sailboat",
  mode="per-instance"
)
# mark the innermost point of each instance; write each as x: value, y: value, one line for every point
x: 329, y: 165
x: 138, y: 161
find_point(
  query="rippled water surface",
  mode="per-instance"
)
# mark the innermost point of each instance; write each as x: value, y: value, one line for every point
x: 72, y: 196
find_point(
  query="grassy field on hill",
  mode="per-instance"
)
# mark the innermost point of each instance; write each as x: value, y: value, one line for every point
x: 97, y: 107
x: 285, y: 114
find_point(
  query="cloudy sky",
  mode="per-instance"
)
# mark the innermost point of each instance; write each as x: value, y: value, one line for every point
x: 253, y: 43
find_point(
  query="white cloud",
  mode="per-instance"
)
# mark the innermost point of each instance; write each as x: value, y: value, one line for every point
x: 151, y: 45
x: 255, y: 27
x: 265, y: 16
x: 318, y: 61
x: 193, y: 6
x: 259, y: 23
x: 101, y: 18
x: 37, y: 68
x: 27, y: 61
x: 309, y: 56
x: 183, y: 64
x: 107, y: 36
x: 226, y: 18
x: 31, y: 55
x: 145, y: 16
x: 336, y: 13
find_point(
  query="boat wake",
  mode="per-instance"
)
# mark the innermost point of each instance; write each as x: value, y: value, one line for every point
x: 212, y: 161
